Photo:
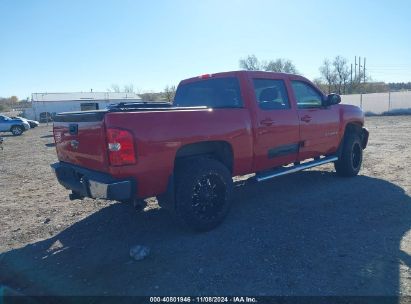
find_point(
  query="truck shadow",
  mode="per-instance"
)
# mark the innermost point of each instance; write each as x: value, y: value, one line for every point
x: 307, y: 234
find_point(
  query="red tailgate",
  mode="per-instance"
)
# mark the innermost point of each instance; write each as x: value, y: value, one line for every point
x: 81, y: 141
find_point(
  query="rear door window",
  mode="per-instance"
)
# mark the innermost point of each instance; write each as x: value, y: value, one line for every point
x: 271, y: 94
x: 214, y: 93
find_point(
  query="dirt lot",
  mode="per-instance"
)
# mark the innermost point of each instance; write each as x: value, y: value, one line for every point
x: 311, y: 233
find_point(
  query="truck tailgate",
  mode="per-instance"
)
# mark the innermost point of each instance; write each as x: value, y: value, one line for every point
x: 80, y: 139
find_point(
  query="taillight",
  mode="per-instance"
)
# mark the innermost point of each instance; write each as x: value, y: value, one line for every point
x: 120, y: 147
x: 205, y: 76
x: 57, y: 135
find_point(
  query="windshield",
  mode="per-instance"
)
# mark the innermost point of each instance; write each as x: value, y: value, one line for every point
x: 213, y: 93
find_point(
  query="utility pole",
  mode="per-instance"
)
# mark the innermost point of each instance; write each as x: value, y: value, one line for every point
x: 351, y: 73
x: 361, y: 101
x: 364, y: 69
x: 359, y: 68
x: 351, y: 81
x: 355, y: 68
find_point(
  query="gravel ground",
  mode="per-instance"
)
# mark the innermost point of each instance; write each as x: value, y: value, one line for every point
x: 311, y: 233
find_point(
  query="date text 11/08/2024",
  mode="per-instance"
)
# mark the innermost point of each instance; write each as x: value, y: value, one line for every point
x: 238, y: 299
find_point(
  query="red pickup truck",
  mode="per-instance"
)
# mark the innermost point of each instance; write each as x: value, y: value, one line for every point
x: 219, y: 126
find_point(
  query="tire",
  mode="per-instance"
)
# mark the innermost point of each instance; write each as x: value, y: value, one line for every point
x: 202, y: 194
x: 349, y: 163
x: 16, y: 130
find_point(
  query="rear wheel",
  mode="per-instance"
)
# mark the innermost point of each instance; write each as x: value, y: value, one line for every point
x: 349, y: 163
x: 17, y: 130
x: 203, y: 193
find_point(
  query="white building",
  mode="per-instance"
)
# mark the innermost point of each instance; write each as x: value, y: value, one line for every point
x: 49, y: 104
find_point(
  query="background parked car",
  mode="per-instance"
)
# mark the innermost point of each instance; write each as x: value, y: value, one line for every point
x: 32, y: 123
x: 46, y: 117
x: 15, y: 126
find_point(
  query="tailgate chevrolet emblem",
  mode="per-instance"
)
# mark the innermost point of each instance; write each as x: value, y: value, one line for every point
x: 74, y: 144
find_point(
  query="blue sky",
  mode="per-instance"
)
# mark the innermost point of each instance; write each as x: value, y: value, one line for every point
x: 74, y: 45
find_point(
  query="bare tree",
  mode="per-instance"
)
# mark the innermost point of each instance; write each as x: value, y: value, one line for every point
x: 342, y: 74
x: 129, y: 88
x: 320, y: 84
x: 250, y: 63
x: 328, y: 74
x: 115, y: 88
x: 280, y: 65
x: 150, y: 96
x: 14, y: 99
x: 336, y: 76
x: 358, y: 84
x: 170, y: 93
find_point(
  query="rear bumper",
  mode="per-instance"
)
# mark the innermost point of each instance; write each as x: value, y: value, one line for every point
x: 88, y: 183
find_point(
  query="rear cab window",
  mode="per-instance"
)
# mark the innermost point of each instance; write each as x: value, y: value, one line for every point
x: 223, y: 92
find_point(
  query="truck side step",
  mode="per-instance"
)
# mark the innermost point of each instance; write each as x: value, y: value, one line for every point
x: 298, y: 167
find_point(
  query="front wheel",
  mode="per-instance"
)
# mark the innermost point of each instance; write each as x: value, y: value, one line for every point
x: 203, y: 193
x: 349, y: 163
x: 17, y: 130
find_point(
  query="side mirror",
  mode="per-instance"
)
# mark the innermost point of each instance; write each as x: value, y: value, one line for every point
x: 332, y: 99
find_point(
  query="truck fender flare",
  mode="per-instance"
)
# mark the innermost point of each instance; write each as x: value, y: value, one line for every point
x: 353, y: 127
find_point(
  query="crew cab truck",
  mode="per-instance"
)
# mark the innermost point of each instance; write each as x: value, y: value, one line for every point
x: 219, y: 126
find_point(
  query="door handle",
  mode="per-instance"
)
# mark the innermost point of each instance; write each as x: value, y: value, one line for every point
x: 306, y: 118
x: 267, y: 122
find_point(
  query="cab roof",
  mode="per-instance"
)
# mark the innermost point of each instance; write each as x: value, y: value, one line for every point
x: 242, y: 72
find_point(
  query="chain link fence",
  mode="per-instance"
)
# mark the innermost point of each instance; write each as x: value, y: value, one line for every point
x: 379, y: 103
